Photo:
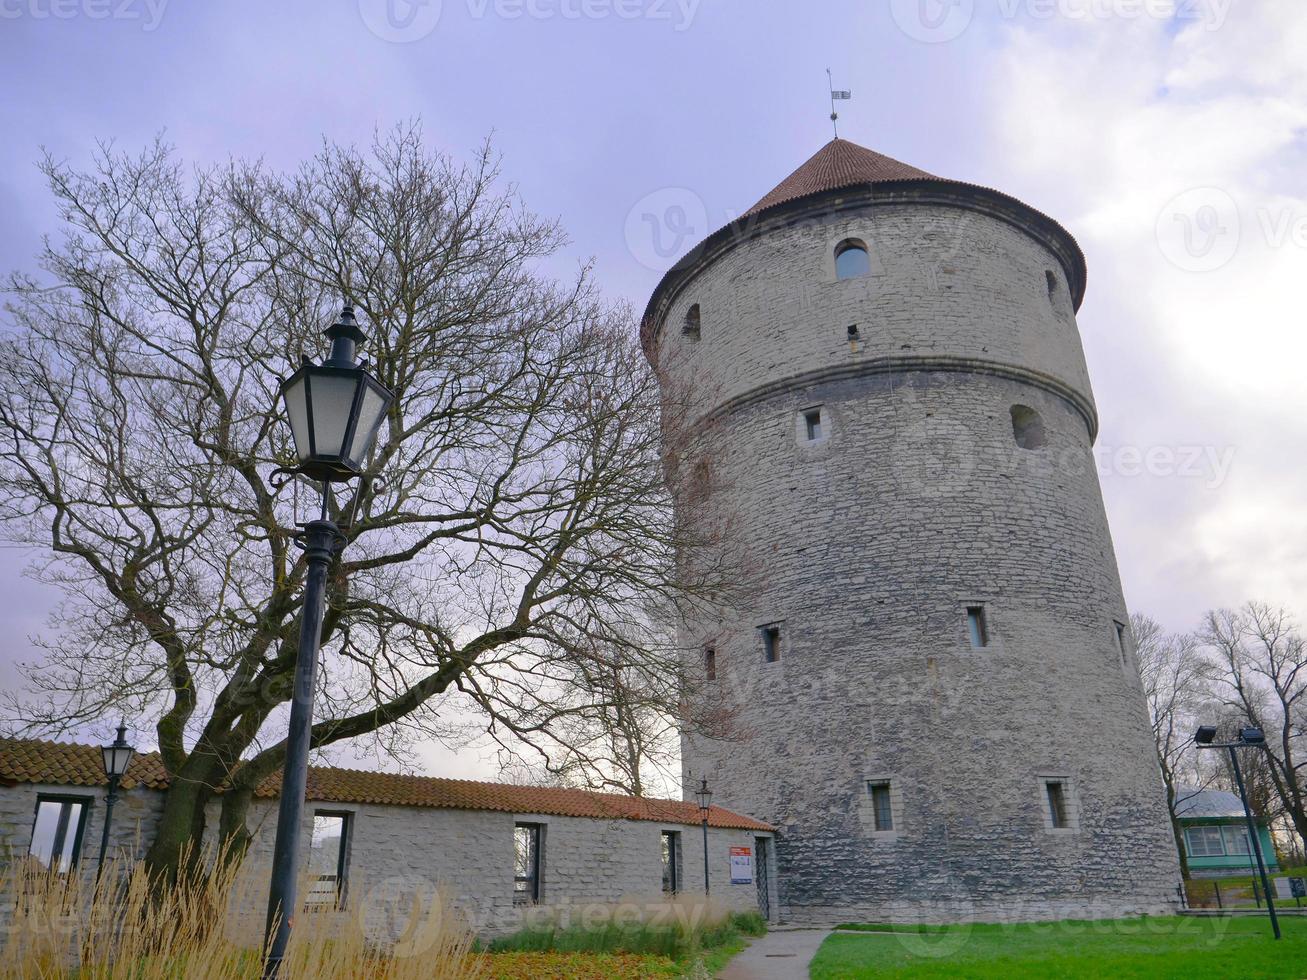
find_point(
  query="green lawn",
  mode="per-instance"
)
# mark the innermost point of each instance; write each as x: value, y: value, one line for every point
x: 1189, y: 948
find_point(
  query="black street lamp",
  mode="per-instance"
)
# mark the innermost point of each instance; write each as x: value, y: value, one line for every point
x: 704, y: 795
x: 117, y: 757
x: 1249, y: 738
x: 335, y: 410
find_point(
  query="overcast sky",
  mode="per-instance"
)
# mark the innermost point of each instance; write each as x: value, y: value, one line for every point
x: 1167, y: 135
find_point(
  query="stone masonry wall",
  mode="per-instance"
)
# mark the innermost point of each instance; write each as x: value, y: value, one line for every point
x: 869, y: 546
x: 589, y: 865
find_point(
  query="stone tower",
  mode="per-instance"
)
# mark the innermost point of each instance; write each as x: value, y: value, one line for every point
x: 933, y: 682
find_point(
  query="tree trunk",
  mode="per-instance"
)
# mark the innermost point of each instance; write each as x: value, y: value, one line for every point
x: 180, y: 831
x: 1178, y: 831
x: 178, y: 845
x: 233, y: 832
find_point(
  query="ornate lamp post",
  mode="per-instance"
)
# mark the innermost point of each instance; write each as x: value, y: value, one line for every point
x: 1205, y: 738
x: 335, y: 410
x: 704, y: 795
x: 117, y: 757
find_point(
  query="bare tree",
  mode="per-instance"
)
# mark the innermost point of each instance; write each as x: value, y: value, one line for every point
x: 1260, y: 662
x: 509, y: 553
x: 625, y: 740
x: 1174, y: 675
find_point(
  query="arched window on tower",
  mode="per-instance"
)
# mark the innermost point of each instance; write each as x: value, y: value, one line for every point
x: 1027, y: 427
x: 691, y: 327
x: 1050, y: 281
x: 852, y: 259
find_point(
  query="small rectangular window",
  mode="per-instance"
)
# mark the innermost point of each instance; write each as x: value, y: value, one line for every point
x: 812, y: 424
x: 1120, y: 640
x: 710, y: 663
x: 328, y: 859
x: 881, y: 807
x: 57, y: 831
x: 977, y: 627
x: 1057, y: 811
x: 671, y: 861
x: 771, y: 643
x: 526, y: 863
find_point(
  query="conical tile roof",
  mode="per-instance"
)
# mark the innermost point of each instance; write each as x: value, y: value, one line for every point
x: 838, y: 164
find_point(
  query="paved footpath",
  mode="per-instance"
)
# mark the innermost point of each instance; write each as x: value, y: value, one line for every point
x: 782, y: 954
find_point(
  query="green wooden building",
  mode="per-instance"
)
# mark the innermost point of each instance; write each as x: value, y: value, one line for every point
x: 1216, y: 834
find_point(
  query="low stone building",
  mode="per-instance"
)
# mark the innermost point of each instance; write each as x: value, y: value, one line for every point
x: 503, y: 855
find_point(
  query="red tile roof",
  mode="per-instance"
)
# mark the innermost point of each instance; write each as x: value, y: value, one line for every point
x: 26, y: 760
x: 62, y: 764
x: 838, y: 164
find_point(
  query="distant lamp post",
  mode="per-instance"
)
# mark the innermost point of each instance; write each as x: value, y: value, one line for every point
x: 117, y: 757
x: 335, y: 410
x: 704, y: 795
x: 1249, y: 738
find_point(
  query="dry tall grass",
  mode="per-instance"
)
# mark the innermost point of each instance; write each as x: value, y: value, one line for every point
x: 59, y: 927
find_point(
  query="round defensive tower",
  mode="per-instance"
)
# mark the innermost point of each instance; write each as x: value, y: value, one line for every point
x: 932, y: 684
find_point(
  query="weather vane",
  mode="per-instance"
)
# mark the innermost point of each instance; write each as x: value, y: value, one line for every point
x: 841, y: 94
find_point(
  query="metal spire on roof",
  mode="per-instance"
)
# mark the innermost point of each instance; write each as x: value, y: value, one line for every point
x: 841, y: 94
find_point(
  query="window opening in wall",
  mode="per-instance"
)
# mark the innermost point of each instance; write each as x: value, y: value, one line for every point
x: 1027, y: 427
x: 710, y: 663
x: 692, y: 325
x: 852, y: 259
x: 700, y: 481
x: 328, y: 859
x: 1120, y: 640
x: 1057, y: 811
x: 671, y: 862
x: 57, y: 831
x: 771, y: 643
x: 526, y: 863
x: 812, y: 424
x: 1050, y: 280
x: 1205, y: 841
x: 1236, y: 839
x: 881, y: 807
x: 977, y: 628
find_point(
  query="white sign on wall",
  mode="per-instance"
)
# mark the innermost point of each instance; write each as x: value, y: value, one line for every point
x: 741, y: 865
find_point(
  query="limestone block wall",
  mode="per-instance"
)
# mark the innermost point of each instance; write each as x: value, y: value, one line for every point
x: 865, y: 549
x: 945, y: 282
x: 589, y: 865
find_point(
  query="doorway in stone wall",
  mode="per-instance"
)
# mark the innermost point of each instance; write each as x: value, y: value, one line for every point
x: 760, y: 863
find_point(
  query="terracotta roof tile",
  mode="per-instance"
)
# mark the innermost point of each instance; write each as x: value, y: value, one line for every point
x: 59, y: 763
x: 838, y: 164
